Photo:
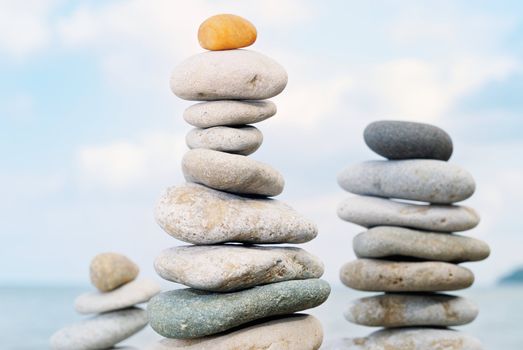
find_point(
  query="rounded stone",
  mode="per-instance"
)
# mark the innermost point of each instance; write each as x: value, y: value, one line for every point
x: 200, y: 215
x: 242, y: 140
x: 407, y: 310
x: 400, y: 242
x: 227, y: 268
x: 191, y: 313
x: 424, y: 180
x: 100, y: 332
x: 409, y: 339
x: 111, y: 270
x: 408, y: 140
x: 228, y: 75
x: 293, y: 332
x: 226, y: 32
x: 391, y: 276
x: 232, y: 173
x: 228, y: 113
x: 135, y: 292
x: 373, y: 211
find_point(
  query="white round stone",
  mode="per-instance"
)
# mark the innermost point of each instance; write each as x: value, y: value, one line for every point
x: 242, y: 140
x: 135, y: 292
x: 228, y: 75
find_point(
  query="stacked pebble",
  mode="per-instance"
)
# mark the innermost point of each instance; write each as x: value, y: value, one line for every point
x: 241, y: 296
x: 114, y: 275
x: 408, y: 251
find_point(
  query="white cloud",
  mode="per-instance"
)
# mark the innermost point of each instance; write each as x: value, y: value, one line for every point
x: 24, y: 26
x: 121, y: 165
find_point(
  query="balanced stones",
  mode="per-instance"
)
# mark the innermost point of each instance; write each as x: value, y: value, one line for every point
x: 409, y: 250
x: 241, y: 294
x: 116, y: 315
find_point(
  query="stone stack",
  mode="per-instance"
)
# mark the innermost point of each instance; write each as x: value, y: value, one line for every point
x: 409, y: 251
x: 241, y: 295
x: 117, y: 317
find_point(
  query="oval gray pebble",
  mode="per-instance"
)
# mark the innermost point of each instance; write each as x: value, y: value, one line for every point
x: 422, y: 180
x: 372, y: 211
x: 228, y: 75
x: 408, y: 140
x: 191, y: 313
x: 242, y: 140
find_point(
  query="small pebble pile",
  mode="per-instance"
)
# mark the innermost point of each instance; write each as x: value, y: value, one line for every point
x: 117, y: 317
x: 241, y: 295
x: 409, y: 251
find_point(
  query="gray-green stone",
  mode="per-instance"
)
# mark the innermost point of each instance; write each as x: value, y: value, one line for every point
x: 191, y: 313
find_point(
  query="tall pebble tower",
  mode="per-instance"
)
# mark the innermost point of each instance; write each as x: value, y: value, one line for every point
x: 240, y: 295
x: 409, y: 251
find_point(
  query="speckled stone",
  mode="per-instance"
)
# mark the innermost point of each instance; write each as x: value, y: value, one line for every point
x: 191, y: 313
x: 407, y: 310
x: 296, y: 332
x: 228, y: 112
x: 228, y: 75
x: 398, y: 242
x: 100, y: 332
x: 372, y: 211
x: 111, y: 270
x: 390, y: 276
x: 424, y: 180
x: 242, y: 140
x: 200, y: 215
x: 409, y: 339
x: 232, y: 173
x: 408, y: 140
x: 227, y: 268
x: 135, y: 292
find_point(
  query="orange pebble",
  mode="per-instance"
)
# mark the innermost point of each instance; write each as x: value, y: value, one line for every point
x: 226, y: 32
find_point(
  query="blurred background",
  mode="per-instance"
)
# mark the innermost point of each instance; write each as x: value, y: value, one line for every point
x: 90, y: 134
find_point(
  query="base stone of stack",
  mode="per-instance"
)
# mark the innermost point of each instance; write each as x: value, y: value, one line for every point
x: 227, y: 268
x: 409, y: 339
x: 132, y: 293
x: 100, y: 332
x: 373, y: 211
x: 200, y: 215
x: 407, y: 310
x: 191, y: 313
x: 242, y: 140
x: 296, y: 332
x: 391, y: 276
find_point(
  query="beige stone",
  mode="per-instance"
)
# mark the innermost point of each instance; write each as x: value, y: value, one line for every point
x: 111, y: 270
x: 242, y: 140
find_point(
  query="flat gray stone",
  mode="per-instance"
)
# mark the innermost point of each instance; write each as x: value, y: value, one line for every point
x: 399, y: 242
x: 296, y: 332
x: 408, y: 140
x: 409, y: 339
x: 100, y: 332
x: 407, y: 310
x: 231, y: 173
x: 424, y: 180
x: 135, y: 292
x: 200, y: 215
x: 228, y: 112
x: 390, y: 276
x: 191, y: 313
x: 226, y: 268
x: 242, y: 140
x: 228, y: 75
x: 373, y: 211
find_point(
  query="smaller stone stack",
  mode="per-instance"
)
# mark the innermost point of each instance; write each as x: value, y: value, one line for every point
x: 117, y: 317
x: 409, y: 251
x: 241, y: 295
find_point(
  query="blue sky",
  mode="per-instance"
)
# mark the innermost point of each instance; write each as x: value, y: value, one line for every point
x: 90, y: 133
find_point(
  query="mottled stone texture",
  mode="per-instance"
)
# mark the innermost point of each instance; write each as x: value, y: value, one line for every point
x: 111, y: 270
x: 242, y: 140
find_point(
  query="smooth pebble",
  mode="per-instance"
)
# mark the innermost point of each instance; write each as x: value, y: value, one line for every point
x: 242, y: 140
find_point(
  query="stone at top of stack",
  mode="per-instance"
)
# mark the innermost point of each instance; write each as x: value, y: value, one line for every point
x: 114, y: 275
x: 409, y: 246
x: 233, y: 285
